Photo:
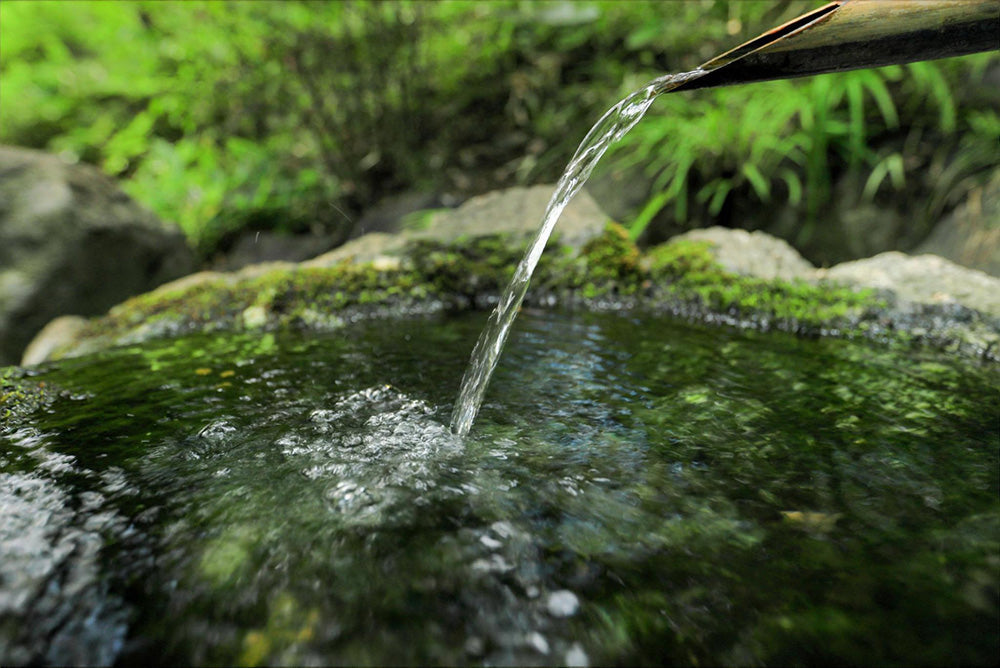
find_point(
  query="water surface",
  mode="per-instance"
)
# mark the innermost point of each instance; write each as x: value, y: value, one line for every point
x: 636, y: 491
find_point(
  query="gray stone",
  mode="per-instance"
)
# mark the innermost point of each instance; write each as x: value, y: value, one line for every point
x: 621, y: 191
x: 518, y: 211
x: 59, y: 332
x: 390, y: 214
x: 515, y: 211
x: 71, y: 242
x: 923, y: 279
x: 368, y: 248
x: 970, y: 235
x: 934, y: 299
x: 752, y: 253
x: 255, y: 247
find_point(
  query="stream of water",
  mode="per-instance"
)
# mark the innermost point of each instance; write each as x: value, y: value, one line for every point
x: 615, y: 123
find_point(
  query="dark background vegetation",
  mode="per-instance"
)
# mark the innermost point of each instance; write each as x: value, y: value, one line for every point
x: 299, y: 116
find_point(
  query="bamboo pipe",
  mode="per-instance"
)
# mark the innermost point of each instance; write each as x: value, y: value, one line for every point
x: 853, y: 34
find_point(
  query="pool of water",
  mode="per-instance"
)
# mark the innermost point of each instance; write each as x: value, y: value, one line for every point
x: 635, y: 491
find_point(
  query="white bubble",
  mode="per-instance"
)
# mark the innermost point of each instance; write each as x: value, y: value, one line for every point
x: 490, y: 543
x: 563, y: 603
x: 575, y: 656
x: 538, y: 642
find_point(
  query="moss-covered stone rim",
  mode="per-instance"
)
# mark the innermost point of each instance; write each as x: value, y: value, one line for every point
x: 680, y: 277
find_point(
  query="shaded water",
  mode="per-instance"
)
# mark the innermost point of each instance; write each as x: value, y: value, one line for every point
x: 636, y: 491
x: 612, y: 126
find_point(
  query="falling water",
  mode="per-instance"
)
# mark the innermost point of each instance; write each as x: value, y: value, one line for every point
x: 617, y: 121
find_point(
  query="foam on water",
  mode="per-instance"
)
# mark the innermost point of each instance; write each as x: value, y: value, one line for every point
x: 49, y: 564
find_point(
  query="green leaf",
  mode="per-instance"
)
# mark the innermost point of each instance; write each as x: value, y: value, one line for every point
x: 794, y: 184
x: 891, y: 166
x: 760, y: 184
x: 930, y: 78
x: 880, y: 93
x: 648, y: 212
x: 716, y: 194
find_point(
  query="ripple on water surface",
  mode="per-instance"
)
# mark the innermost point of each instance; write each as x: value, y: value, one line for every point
x: 635, y: 491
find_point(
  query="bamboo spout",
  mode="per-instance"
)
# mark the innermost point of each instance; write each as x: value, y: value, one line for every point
x: 853, y: 34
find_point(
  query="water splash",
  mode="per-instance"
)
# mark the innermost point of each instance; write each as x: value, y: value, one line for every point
x: 615, y: 123
x: 50, y: 554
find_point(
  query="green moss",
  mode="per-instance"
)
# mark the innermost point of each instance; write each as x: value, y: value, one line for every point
x: 311, y: 297
x: 799, y: 303
x: 679, y: 258
x: 225, y: 558
x: 680, y: 276
x: 611, y: 256
x: 307, y: 296
x: 288, y: 627
x: 467, y: 267
x: 685, y: 271
x: 606, y: 266
x: 610, y: 263
x: 20, y: 396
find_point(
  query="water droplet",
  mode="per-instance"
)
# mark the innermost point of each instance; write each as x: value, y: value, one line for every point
x: 216, y: 430
x: 495, y: 564
x: 474, y: 646
x: 537, y: 642
x: 563, y: 603
x: 503, y: 529
x: 575, y: 656
x: 490, y: 543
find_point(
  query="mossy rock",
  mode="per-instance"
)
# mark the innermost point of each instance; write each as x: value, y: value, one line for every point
x: 21, y: 396
x: 680, y: 276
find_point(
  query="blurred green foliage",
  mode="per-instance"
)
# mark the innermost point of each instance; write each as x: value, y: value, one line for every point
x: 786, y: 140
x: 224, y: 116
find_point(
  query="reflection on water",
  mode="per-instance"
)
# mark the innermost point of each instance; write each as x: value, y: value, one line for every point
x: 636, y: 491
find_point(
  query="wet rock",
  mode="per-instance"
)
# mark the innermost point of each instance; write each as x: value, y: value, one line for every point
x: 923, y: 279
x: 918, y: 298
x: 752, y: 253
x: 71, y: 242
x: 931, y: 299
x: 717, y: 275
